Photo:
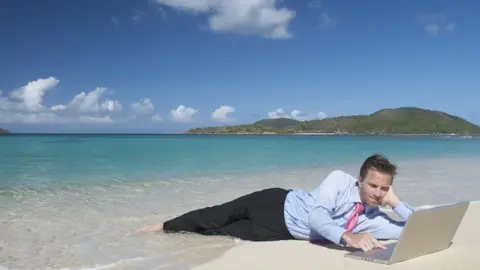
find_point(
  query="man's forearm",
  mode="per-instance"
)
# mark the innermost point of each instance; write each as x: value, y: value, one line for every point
x: 394, y: 202
x: 403, y: 210
x: 322, y: 224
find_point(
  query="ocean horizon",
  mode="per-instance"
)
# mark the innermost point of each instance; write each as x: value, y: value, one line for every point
x: 75, y: 201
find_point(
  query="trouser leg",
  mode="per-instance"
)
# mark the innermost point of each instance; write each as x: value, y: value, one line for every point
x: 260, y: 213
x: 248, y: 230
x: 206, y: 218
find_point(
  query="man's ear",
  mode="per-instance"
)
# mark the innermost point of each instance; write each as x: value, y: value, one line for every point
x: 360, y: 181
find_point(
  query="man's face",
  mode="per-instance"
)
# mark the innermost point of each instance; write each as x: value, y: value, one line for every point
x: 374, y: 187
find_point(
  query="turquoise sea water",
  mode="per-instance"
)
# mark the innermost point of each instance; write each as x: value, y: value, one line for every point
x: 91, y: 159
x: 75, y: 201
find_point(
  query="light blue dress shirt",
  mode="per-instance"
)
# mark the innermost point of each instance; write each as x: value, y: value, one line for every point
x: 321, y: 214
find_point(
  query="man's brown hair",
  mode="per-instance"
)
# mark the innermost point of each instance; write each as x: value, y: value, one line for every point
x: 380, y: 163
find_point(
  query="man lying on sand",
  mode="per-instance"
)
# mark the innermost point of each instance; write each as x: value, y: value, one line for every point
x: 343, y: 210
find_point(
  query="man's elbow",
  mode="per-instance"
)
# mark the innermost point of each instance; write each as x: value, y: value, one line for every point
x: 317, y: 222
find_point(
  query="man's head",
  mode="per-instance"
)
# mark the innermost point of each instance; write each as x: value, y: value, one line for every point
x: 376, y: 177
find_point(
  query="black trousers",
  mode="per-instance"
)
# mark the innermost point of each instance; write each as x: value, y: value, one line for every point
x: 257, y: 216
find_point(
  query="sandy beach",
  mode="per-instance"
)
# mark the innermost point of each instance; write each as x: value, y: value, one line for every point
x: 463, y: 254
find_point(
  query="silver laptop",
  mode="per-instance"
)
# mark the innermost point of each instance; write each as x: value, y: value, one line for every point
x: 425, y: 232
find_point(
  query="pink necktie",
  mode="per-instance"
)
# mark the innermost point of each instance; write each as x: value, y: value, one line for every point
x: 353, y: 219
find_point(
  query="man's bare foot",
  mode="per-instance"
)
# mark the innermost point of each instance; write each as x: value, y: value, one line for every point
x: 153, y: 228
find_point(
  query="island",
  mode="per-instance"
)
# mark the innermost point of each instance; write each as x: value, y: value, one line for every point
x: 4, y: 131
x: 403, y: 120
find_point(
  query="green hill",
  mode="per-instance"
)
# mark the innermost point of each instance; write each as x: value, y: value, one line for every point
x: 4, y: 131
x: 404, y: 120
x: 281, y: 123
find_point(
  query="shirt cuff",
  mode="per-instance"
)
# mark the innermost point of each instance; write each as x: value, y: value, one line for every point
x: 403, y: 210
x: 336, y: 235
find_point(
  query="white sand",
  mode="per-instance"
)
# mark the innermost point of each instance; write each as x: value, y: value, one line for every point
x: 463, y: 254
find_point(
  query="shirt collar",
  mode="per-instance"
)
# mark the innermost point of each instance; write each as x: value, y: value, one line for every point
x: 354, y: 194
x: 355, y: 198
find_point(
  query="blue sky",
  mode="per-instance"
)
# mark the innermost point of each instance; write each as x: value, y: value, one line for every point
x: 167, y: 65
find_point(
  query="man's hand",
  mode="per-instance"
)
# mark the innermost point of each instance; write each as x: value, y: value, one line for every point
x: 390, y: 199
x: 364, y: 241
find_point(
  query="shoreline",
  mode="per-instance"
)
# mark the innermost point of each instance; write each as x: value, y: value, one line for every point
x: 302, y: 254
x: 328, y: 134
x: 233, y: 133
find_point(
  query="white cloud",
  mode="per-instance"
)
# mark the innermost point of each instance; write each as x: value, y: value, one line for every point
x: 295, y: 114
x: 139, y: 15
x: 433, y: 29
x: 31, y: 95
x: 325, y: 20
x: 30, y: 118
x: 298, y: 115
x: 51, y: 118
x: 163, y: 13
x: 436, y: 23
x: 450, y: 27
x: 90, y: 102
x: 95, y: 119
x: 111, y: 105
x: 252, y: 17
x: 59, y: 107
x: 183, y: 114
x: 115, y: 21
x: 6, y: 105
x: 144, y: 106
x: 278, y: 113
x: 321, y: 115
x: 25, y: 105
x: 221, y: 113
